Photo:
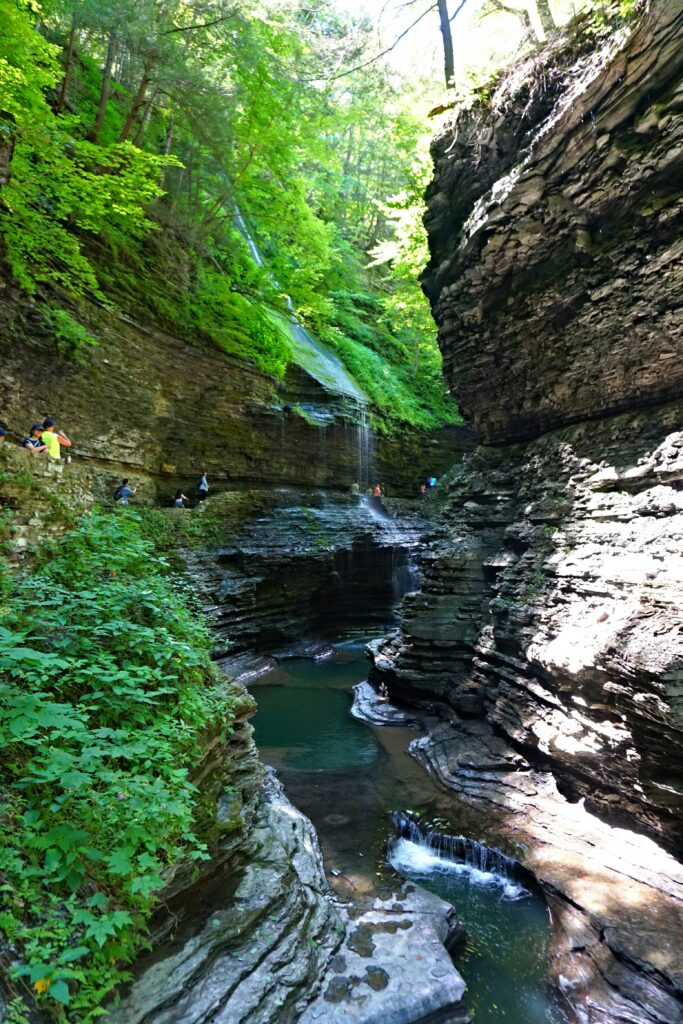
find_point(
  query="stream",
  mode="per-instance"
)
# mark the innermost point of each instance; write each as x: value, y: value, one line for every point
x: 347, y: 777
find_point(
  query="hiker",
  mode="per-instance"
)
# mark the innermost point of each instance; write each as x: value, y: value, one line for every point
x: 3, y: 434
x: 124, y: 493
x: 383, y: 692
x: 54, y: 439
x: 180, y: 499
x: 377, y: 491
x: 355, y: 489
x: 423, y: 489
x: 34, y: 441
x: 203, y: 487
x: 432, y: 481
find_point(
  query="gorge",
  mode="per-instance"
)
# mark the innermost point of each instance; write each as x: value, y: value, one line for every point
x: 525, y: 614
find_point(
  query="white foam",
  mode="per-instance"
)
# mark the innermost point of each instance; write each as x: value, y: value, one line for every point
x: 409, y: 858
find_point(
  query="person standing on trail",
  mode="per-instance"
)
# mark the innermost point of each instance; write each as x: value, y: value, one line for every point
x: 203, y: 487
x: 123, y: 492
x: 54, y: 439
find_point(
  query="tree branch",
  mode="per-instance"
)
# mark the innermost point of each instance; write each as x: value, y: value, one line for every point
x: 378, y: 56
x: 202, y: 24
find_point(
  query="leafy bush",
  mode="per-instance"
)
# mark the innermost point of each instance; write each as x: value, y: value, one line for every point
x: 71, y: 338
x: 106, y: 688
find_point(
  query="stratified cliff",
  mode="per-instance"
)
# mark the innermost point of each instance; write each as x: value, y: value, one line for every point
x: 554, y: 222
x: 148, y: 405
x: 547, y: 634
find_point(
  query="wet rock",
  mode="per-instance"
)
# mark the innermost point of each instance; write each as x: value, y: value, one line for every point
x: 393, y: 964
x: 294, y: 563
x: 367, y: 707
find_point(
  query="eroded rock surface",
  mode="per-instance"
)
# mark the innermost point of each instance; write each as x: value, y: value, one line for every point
x: 148, y: 405
x: 554, y: 221
x: 282, y: 565
x: 367, y: 707
x: 616, y: 897
x: 547, y: 632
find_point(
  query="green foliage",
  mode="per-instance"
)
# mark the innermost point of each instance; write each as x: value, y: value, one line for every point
x: 71, y: 338
x: 105, y: 691
x: 123, y: 186
x: 59, y: 183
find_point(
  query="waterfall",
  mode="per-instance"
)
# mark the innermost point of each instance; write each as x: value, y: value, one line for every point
x: 309, y: 353
x: 366, y: 450
x: 417, y: 848
x: 253, y: 248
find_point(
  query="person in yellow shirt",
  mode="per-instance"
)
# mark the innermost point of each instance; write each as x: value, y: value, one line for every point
x: 54, y: 439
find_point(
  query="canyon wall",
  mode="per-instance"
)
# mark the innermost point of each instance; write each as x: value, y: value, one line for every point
x: 547, y: 634
x: 149, y: 405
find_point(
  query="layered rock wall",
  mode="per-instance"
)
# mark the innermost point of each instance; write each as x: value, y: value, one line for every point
x: 547, y: 633
x: 554, y: 219
x: 150, y: 406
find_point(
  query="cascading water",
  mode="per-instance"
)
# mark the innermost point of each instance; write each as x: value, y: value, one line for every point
x: 366, y: 450
x: 505, y: 959
x: 416, y: 848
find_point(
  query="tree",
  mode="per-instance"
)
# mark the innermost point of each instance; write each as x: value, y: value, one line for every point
x: 447, y: 37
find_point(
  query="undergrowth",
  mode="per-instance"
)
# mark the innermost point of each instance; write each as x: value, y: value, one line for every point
x: 106, y: 688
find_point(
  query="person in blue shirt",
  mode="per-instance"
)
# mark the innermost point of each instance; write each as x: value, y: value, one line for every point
x: 34, y: 441
x: 124, y: 493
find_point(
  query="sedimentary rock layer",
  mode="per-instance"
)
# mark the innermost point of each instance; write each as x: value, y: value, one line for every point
x: 554, y: 222
x: 547, y: 632
x: 148, y: 405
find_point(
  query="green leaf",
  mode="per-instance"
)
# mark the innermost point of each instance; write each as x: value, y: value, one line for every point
x: 59, y: 990
x: 74, y: 954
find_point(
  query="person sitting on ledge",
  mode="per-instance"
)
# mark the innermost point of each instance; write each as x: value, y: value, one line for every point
x: 383, y: 692
x: 34, y: 441
x: 54, y: 439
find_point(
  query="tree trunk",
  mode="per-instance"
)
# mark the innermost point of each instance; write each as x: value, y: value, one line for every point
x: 61, y: 99
x: 448, y: 62
x: 94, y: 133
x: 523, y: 15
x: 144, y: 120
x: 139, y: 99
x: 545, y: 17
x: 7, y: 123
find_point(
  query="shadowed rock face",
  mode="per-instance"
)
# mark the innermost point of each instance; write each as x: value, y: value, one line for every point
x: 554, y: 220
x: 547, y: 631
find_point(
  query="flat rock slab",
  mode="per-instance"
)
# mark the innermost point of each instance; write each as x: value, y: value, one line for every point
x: 367, y: 707
x: 393, y: 965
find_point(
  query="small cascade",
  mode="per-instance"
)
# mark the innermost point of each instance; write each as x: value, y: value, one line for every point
x: 309, y: 353
x: 417, y: 848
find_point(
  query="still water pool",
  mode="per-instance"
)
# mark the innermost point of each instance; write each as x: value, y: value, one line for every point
x: 348, y: 777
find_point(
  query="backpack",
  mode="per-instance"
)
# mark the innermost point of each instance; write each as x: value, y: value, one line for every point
x: 118, y: 493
